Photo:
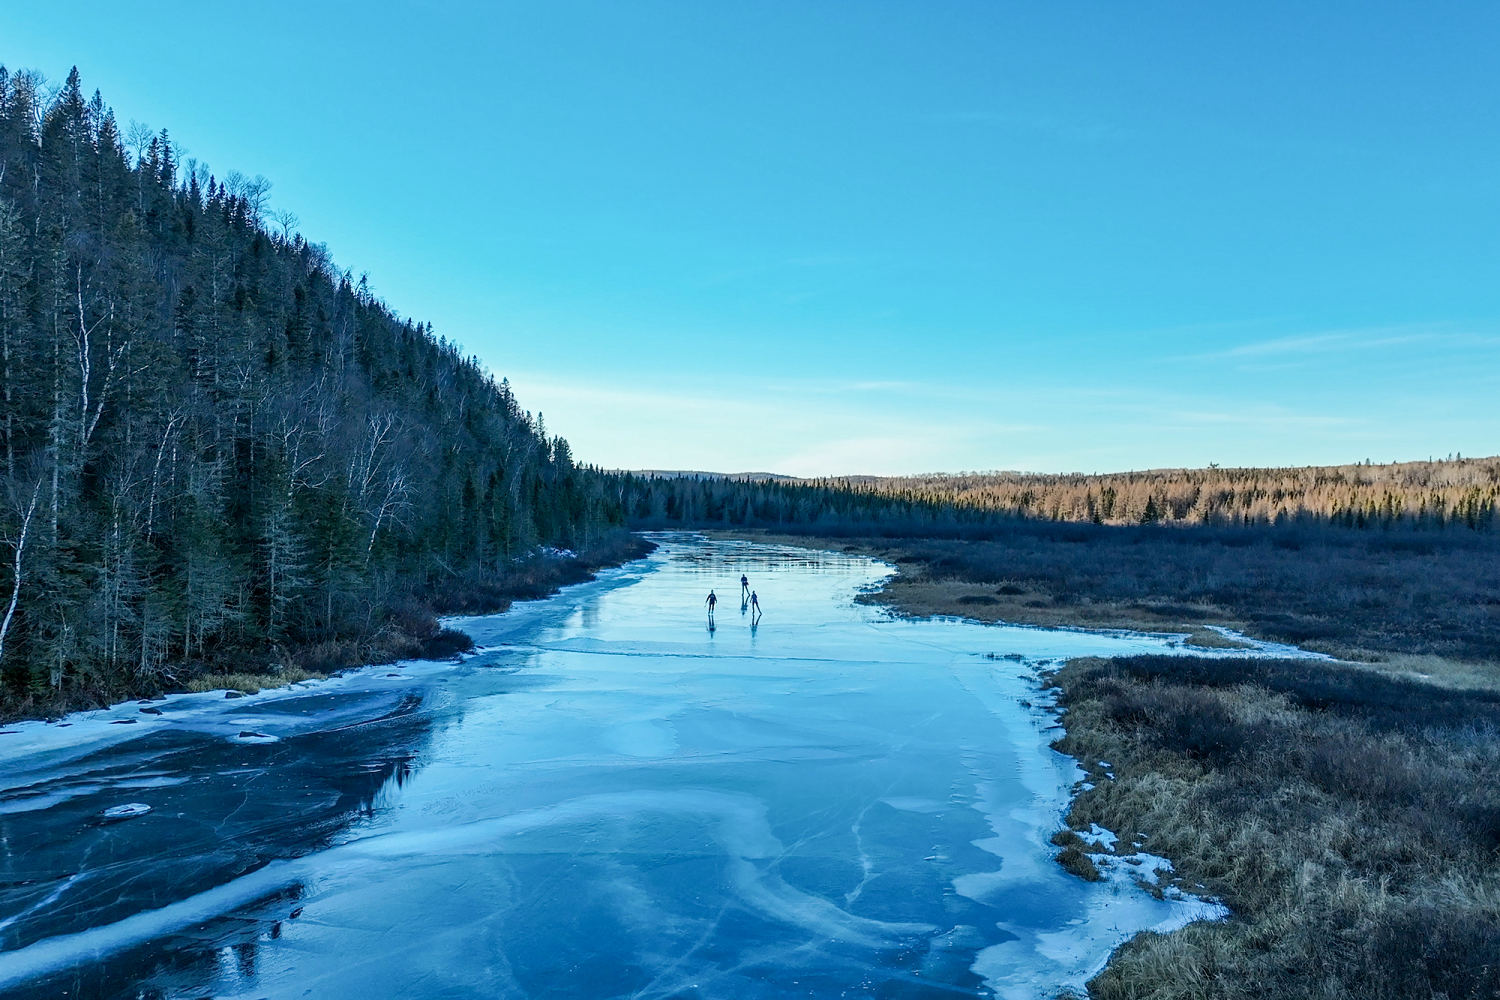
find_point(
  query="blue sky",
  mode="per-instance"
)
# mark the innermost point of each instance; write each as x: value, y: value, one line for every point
x: 878, y: 237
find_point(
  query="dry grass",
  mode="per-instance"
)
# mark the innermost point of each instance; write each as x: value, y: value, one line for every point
x: 1076, y: 861
x: 1349, y: 819
x: 1441, y: 671
x: 250, y: 683
x: 914, y: 593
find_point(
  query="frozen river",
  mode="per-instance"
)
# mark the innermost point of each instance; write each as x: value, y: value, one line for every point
x: 609, y: 800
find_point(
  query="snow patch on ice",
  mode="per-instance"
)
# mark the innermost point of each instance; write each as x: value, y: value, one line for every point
x: 129, y: 810
x: 250, y: 736
x: 1260, y: 647
x: 1102, y: 837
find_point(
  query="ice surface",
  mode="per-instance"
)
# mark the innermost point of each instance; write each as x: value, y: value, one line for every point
x: 608, y: 800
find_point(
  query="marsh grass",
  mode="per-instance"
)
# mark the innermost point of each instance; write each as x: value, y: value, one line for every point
x: 1350, y: 820
x: 1076, y: 861
x: 249, y: 683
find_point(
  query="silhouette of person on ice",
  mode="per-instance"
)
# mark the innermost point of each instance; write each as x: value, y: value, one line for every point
x: 711, y: 600
x: 755, y: 609
x: 744, y: 586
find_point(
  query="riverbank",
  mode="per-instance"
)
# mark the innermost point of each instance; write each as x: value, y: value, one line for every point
x: 1345, y: 812
x: 1348, y: 819
x: 411, y: 631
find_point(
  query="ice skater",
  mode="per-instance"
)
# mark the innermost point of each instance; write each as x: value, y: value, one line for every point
x: 754, y: 609
x: 744, y: 586
x: 711, y: 600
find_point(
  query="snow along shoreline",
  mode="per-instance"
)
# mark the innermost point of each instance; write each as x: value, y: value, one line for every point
x: 35, y: 748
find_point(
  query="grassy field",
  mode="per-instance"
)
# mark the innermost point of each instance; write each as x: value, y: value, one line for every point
x: 1347, y: 813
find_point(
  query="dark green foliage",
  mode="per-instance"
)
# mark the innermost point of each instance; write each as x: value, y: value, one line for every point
x: 216, y: 447
x: 825, y: 507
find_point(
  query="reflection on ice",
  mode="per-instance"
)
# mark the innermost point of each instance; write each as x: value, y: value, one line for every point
x: 609, y: 800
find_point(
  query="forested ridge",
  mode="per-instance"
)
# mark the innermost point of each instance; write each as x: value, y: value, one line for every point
x: 218, y: 448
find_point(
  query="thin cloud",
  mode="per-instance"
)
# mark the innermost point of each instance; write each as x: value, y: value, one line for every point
x: 869, y: 455
x: 846, y: 428
x: 1280, y: 421
x: 1344, y: 342
x: 1322, y: 343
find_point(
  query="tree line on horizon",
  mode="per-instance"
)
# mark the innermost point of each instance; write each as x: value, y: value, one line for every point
x: 213, y: 443
x: 1442, y: 494
x: 1455, y: 492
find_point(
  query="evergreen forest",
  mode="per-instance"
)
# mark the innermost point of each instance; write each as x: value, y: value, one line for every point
x: 220, y: 451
